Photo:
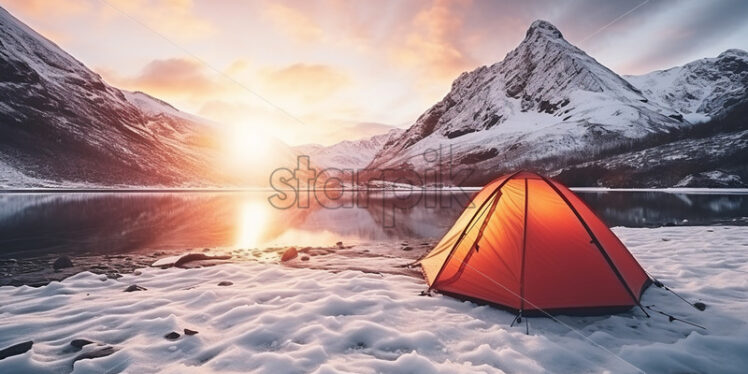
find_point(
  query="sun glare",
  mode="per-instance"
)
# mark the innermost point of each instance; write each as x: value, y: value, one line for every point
x: 246, y: 146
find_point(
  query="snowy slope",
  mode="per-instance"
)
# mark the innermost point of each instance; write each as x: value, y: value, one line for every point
x: 549, y: 104
x: 61, y: 125
x: 61, y: 122
x: 714, y: 161
x: 273, y: 319
x: 154, y: 107
x: 699, y: 90
x: 348, y: 154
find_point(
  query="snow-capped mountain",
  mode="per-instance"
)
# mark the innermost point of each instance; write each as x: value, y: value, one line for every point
x: 62, y: 125
x: 699, y: 90
x: 549, y: 105
x: 712, y: 151
x: 348, y: 154
x: 60, y: 122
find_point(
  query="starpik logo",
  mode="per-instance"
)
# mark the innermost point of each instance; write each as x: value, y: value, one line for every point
x: 435, y: 184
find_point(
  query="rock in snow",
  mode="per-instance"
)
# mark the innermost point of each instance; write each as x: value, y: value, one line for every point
x: 80, y: 343
x: 96, y: 353
x: 62, y: 263
x: 135, y: 288
x: 189, y: 332
x: 289, y: 254
x: 16, y: 349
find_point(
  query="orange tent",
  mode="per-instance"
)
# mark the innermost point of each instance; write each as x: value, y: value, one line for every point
x: 529, y: 244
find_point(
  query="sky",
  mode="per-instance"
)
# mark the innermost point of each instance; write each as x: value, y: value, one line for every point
x: 327, y: 70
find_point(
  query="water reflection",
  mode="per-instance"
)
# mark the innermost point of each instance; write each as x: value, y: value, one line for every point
x: 109, y: 223
x: 652, y: 209
x: 253, y: 221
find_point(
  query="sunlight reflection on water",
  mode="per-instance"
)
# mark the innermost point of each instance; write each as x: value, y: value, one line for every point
x: 252, y: 222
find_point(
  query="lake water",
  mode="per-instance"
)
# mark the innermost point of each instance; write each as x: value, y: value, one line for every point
x: 37, y: 224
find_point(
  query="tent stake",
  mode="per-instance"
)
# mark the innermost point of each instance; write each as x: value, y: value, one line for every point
x: 698, y: 305
x: 516, y: 318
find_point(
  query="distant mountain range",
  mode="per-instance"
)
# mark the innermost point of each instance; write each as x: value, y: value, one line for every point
x: 547, y: 106
x: 348, y: 154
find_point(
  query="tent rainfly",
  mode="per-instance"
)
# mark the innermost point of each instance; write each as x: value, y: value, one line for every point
x: 528, y: 244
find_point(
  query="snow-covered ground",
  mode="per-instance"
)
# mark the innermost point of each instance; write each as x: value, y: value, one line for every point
x: 277, y: 319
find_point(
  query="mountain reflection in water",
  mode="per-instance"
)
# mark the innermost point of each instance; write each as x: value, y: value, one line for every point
x: 32, y: 224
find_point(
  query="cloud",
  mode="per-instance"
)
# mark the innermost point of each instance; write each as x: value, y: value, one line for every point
x: 310, y: 82
x: 293, y: 22
x: 168, y: 77
x: 433, y: 41
x: 48, y: 13
x: 45, y: 8
x: 238, y: 67
x: 335, y: 61
x: 175, y: 19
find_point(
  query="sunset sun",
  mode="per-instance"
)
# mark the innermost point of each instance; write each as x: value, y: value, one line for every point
x: 246, y: 145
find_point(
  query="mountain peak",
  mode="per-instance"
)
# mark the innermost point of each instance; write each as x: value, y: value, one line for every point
x: 544, y: 27
x: 733, y: 52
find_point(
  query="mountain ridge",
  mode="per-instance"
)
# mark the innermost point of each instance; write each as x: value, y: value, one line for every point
x: 547, y: 100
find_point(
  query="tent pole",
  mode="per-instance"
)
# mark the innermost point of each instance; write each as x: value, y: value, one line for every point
x: 524, y: 250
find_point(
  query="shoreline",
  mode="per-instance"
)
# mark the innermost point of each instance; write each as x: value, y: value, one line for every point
x: 373, y: 257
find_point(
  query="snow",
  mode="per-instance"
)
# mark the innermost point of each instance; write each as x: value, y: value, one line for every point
x: 348, y: 154
x: 700, y: 89
x: 11, y: 177
x: 716, y: 177
x: 280, y: 319
x: 153, y: 107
